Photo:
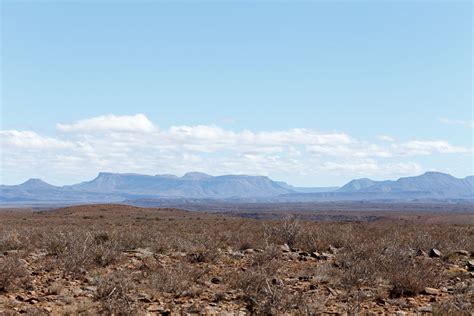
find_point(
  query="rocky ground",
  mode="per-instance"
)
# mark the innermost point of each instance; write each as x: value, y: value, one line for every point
x: 121, y: 260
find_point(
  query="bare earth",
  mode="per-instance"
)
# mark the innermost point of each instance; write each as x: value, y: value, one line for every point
x: 116, y: 259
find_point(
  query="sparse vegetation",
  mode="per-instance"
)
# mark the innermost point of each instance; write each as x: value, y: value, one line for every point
x: 125, y: 260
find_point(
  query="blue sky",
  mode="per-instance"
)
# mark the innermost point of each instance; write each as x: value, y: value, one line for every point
x: 313, y: 93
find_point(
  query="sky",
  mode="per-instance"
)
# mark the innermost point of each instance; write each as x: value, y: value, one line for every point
x: 311, y: 93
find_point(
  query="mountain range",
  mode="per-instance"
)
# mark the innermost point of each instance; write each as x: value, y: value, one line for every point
x: 116, y: 187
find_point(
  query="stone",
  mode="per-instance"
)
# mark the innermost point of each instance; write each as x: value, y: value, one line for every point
x: 333, y: 250
x: 216, y: 280
x: 462, y: 253
x: 325, y: 256
x: 142, y: 253
x: 470, y: 265
x: 277, y: 281
x: 236, y: 254
x: 425, y: 309
x: 285, y: 248
x: 431, y: 291
x: 435, y: 253
x: 249, y: 251
x: 315, y: 254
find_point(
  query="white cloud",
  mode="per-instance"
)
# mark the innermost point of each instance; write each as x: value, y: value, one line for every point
x: 30, y: 140
x: 374, y: 168
x: 134, y: 144
x: 110, y: 123
x: 419, y: 147
x: 469, y: 123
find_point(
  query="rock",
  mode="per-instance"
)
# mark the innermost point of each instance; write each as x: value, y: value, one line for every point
x: 236, y: 254
x: 277, y: 281
x: 435, y: 253
x: 216, y: 280
x: 333, y: 250
x: 141, y: 253
x: 304, y: 254
x: 325, y: 256
x: 315, y: 254
x: 285, y: 248
x: 431, y: 291
x: 249, y: 251
x: 470, y: 265
x: 145, y: 298
x: 462, y: 253
x: 425, y: 309
x: 154, y: 308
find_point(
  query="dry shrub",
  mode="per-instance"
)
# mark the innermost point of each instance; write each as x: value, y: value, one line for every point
x: 76, y: 252
x: 262, y: 290
x: 179, y: 279
x: 11, y: 240
x: 387, y: 259
x: 113, y: 292
x: 12, y: 274
x: 284, y: 232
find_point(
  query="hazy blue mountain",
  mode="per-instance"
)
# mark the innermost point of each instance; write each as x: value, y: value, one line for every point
x: 436, y: 184
x: 114, y: 187
x: 357, y: 185
x: 192, y: 185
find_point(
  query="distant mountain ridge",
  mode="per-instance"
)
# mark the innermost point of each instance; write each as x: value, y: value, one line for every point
x: 193, y: 184
x: 437, y: 183
x: 117, y: 187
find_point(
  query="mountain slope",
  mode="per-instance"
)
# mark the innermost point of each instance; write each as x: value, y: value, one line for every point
x: 436, y: 184
x: 196, y: 185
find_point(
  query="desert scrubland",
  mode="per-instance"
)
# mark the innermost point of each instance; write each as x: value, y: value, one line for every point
x: 116, y: 259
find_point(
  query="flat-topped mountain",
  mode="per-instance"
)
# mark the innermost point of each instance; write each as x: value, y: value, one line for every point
x: 195, y: 185
x: 116, y: 187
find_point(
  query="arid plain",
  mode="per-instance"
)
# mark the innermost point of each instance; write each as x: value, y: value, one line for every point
x: 117, y: 259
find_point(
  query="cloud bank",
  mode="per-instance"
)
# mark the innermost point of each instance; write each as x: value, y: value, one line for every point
x: 134, y: 144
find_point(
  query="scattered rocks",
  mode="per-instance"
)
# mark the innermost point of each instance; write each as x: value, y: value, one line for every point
x: 435, y: 253
x: 304, y: 254
x: 431, y: 291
